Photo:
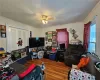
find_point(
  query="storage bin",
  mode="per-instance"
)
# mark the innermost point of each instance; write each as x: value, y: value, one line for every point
x: 52, y: 56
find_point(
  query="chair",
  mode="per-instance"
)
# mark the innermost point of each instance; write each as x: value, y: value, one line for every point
x: 40, y: 54
x: 73, y: 54
x: 34, y: 55
x: 46, y: 55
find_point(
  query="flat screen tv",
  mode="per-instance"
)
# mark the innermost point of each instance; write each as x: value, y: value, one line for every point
x: 36, y: 42
x: 41, y: 41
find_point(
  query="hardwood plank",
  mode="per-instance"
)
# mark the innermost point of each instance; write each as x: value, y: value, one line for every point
x: 54, y: 70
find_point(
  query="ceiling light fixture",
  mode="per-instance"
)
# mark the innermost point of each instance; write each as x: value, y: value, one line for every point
x: 44, y: 19
x: 44, y: 22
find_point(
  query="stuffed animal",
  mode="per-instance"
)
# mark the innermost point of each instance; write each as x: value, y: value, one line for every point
x: 20, y: 42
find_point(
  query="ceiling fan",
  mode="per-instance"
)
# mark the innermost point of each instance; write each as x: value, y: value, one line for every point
x: 46, y: 18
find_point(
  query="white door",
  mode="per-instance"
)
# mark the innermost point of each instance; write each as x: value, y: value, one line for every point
x: 13, y: 36
x: 12, y: 44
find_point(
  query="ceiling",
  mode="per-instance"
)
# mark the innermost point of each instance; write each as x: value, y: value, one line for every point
x: 63, y: 11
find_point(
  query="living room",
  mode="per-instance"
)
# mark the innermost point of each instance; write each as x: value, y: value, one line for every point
x: 23, y: 20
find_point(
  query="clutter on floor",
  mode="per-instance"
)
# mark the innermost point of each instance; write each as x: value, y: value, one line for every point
x: 6, y: 73
x: 17, y: 71
x: 2, y: 53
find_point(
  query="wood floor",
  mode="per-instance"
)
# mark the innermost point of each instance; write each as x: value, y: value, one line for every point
x: 54, y: 70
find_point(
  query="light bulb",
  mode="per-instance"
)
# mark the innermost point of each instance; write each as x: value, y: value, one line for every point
x: 44, y: 21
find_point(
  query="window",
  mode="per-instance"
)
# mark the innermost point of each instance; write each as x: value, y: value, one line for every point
x: 92, y: 40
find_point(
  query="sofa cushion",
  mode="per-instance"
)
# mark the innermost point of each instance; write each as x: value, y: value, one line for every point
x: 27, y: 71
x: 19, y: 68
x: 83, y: 62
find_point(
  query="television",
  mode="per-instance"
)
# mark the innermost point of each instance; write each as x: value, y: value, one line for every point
x: 36, y: 42
x: 41, y: 41
x: 62, y: 46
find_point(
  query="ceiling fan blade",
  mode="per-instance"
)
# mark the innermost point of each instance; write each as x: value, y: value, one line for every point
x: 50, y: 18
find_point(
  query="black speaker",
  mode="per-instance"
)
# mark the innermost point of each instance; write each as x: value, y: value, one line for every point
x: 27, y: 50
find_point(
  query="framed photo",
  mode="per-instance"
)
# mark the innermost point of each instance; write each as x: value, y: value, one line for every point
x: 54, y: 33
x: 49, y: 40
x: 3, y: 35
x: 3, y: 31
x: 50, y: 35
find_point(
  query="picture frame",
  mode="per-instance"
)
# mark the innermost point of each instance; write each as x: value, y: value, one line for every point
x: 2, y: 31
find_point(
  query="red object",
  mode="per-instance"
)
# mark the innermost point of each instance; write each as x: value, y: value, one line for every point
x: 20, y: 43
x: 27, y: 71
x: 86, y: 34
x: 63, y: 36
x: 53, y: 49
x: 83, y: 62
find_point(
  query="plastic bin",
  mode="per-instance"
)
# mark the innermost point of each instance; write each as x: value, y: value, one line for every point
x: 52, y: 56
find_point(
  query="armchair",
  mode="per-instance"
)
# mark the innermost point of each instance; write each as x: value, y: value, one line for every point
x: 73, y: 54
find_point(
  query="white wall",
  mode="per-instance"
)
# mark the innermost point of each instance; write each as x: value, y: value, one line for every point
x: 94, y: 12
x: 39, y: 32
x: 15, y: 24
x: 79, y: 27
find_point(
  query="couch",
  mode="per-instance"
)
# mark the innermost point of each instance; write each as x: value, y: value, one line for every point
x: 24, y: 73
x: 73, y: 54
x: 90, y: 68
